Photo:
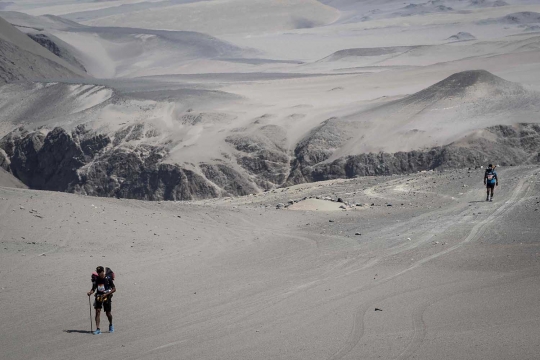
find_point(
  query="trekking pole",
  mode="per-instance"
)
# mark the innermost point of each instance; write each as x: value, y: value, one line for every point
x: 91, y: 325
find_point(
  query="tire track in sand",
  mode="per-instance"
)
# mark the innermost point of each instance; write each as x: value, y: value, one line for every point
x: 357, y: 331
x: 419, y: 325
x: 479, y: 229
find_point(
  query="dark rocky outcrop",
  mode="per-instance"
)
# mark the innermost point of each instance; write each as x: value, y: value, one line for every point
x: 4, y: 160
x: 320, y: 143
x: 85, y: 162
x: 263, y: 155
x: 57, y: 162
x: 512, y: 145
x: 25, y: 161
x: 231, y: 181
x: 137, y: 174
x: 88, y: 163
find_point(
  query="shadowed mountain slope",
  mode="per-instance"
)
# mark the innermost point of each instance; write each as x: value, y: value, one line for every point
x: 21, y: 58
x: 114, y: 51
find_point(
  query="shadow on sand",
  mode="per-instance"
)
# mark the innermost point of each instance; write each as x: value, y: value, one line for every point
x: 77, y: 331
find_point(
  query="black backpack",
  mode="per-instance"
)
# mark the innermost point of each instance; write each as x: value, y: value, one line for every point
x: 109, y: 274
x: 490, y: 175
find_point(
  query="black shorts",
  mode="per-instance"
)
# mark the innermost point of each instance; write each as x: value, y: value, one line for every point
x: 490, y: 186
x: 106, y: 305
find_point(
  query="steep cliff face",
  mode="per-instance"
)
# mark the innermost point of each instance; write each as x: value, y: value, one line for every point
x: 504, y: 145
x: 263, y: 155
x: 88, y: 163
x: 85, y: 162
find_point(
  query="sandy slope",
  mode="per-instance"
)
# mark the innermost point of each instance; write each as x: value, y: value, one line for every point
x: 8, y: 180
x: 24, y: 59
x: 454, y: 276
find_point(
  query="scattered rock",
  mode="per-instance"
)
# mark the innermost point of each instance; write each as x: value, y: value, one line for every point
x: 357, y: 233
x: 377, y: 309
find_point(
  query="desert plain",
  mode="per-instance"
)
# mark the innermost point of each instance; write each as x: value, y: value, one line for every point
x: 270, y: 179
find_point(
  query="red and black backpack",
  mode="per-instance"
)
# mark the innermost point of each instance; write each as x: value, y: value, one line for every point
x: 109, y: 274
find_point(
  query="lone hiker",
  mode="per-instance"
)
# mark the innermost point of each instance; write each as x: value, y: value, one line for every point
x: 490, y: 180
x: 105, y: 288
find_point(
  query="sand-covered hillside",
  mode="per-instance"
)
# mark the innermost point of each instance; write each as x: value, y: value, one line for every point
x: 314, y: 90
x: 24, y: 59
x: 270, y: 179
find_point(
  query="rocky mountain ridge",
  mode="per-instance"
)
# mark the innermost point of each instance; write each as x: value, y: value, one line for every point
x: 87, y: 163
x: 478, y: 117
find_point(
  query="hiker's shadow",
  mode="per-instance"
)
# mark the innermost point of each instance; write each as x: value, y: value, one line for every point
x: 477, y: 201
x: 78, y: 331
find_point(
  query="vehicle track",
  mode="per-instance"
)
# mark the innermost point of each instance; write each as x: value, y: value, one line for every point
x: 358, y: 327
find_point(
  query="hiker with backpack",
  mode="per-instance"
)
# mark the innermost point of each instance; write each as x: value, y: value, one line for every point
x: 490, y: 180
x: 103, y: 286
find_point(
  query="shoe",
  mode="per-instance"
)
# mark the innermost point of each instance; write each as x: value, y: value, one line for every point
x: 487, y: 199
x: 111, y: 328
x: 491, y: 199
x: 97, y: 332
